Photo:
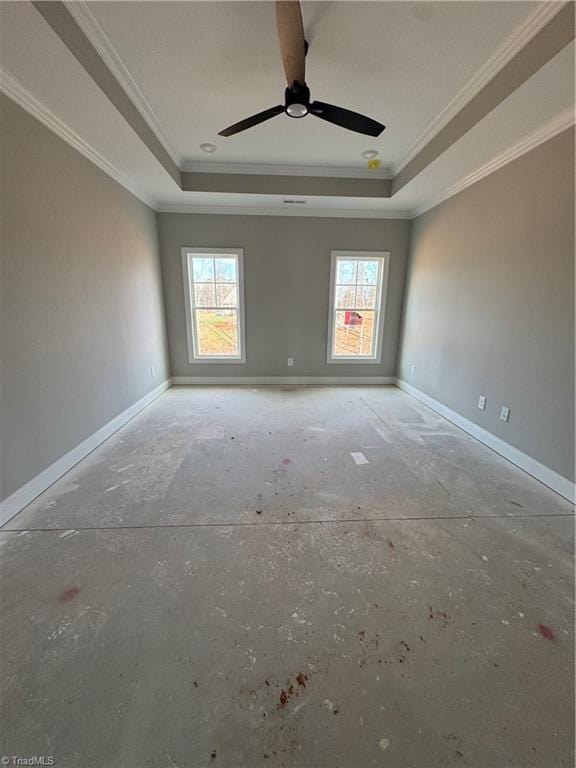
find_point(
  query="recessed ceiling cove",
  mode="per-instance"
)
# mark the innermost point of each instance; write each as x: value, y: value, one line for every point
x: 205, y: 65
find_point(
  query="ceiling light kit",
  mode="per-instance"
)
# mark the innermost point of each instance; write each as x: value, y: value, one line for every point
x: 297, y: 104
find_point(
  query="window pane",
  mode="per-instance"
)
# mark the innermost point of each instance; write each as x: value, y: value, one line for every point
x: 203, y: 269
x: 345, y: 296
x: 346, y: 272
x: 226, y: 295
x: 365, y: 297
x: 226, y: 270
x: 367, y: 272
x: 217, y: 332
x: 353, y: 334
x: 204, y: 295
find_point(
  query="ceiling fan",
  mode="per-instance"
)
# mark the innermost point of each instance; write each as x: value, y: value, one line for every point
x: 297, y: 102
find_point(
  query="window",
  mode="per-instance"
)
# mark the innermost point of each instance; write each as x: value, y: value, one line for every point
x: 357, y: 295
x: 214, y: 296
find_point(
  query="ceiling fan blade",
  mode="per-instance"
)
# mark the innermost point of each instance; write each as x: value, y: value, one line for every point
x: 291, y: 37
x: 346, y: 118
x: 249, y: 122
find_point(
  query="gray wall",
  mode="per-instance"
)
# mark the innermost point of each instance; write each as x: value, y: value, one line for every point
x: 82, y: 312
x: 490, y: 303
x: 286, y: 314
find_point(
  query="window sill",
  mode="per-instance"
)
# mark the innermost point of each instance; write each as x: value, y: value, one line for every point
x: 217, y: 361
x: 354, y: 361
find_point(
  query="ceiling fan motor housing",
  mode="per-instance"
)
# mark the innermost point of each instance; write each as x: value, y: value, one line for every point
x: 297, y: 100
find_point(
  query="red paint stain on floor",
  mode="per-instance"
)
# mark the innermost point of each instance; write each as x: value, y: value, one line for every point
x: 285, y: 461
x: 301, y: 679
x: 69, y: 594
x: 546, y: 632
x: 441, y: 616
x: 290, y: 691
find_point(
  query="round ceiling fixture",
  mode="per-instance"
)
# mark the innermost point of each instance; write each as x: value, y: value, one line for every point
x: 208, y: 148
x: 370, y: 154
x: 297, y: 110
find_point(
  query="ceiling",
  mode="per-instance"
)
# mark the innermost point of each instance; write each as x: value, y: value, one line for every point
x: 400, y: 63
x: 193, y: 68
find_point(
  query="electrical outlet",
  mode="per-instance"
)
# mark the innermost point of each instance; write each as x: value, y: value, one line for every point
x: 412, y: 370
x: 505, y: 413
x: 482, y: 402
x: 152, y: 371
x: 290, y: 361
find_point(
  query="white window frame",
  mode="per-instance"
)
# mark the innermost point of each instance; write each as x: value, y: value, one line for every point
x: 384, y: 257
x: 193, y: 354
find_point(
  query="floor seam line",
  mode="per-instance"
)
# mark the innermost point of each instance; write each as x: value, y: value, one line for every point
x: 345, y: 520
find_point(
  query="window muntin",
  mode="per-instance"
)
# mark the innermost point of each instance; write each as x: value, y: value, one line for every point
x: 357, y: 287
x: 214, y: 304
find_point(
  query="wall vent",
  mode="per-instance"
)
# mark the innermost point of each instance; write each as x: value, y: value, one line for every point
x: 294, y: 202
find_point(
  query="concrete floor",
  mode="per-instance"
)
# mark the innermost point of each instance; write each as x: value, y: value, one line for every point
x: 220, y: 585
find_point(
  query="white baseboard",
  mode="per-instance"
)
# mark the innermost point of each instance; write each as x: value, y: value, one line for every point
x: 544, y: 474
x: 28, y: 492
x: 218, y: 381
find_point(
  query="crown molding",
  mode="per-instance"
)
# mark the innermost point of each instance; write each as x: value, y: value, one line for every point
x: 237, y: 210
x: 12, y: 88
x: 274, y: 169
x: 544, y: 133
x: 514, y: 43
x: 89, y: 24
